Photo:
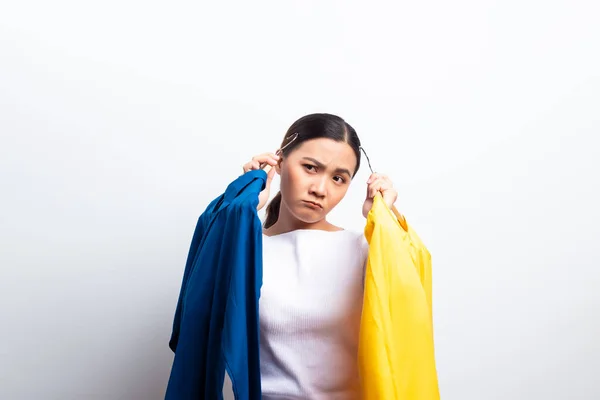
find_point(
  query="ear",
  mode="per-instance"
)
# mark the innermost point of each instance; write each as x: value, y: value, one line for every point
x: 278, y: 166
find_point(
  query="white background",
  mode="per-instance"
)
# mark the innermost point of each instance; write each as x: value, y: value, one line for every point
x: 121, y: 120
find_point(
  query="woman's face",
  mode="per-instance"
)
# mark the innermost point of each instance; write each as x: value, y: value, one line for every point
x: 315, y: 177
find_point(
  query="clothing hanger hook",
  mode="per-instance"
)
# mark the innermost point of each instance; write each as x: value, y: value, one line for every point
x: 290, y: 139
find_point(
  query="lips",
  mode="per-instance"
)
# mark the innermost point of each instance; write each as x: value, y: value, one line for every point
x: 313, y: 204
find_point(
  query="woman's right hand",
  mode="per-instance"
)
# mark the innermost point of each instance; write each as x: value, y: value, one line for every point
x: 254, y: 164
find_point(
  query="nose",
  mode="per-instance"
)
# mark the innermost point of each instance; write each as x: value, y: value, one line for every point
x: 318, y: 187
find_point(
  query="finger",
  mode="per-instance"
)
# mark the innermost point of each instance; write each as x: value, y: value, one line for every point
x: 257, y: 162
x: 370, y: 191
x: 373, y: 189
x: 376, y: 189
x: 254, y: 165
x: 371, y: 181
x: 268, y: 161
x: 374, y: 186
x: 372, y: 177
x: 266, y: 157
x: 381, y: 186
x: 384, y: 183
x: 376, y: 176
x: 270, y: 176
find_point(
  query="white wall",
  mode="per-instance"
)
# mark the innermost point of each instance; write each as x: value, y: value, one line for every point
x: 121, y: 120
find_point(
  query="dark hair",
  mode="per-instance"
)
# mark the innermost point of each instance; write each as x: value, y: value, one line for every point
x: 314, y: 126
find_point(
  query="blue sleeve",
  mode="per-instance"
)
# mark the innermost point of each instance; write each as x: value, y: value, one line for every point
x: 201, y: 227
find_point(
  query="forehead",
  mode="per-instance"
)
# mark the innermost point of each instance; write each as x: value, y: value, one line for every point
x: 327, y: 151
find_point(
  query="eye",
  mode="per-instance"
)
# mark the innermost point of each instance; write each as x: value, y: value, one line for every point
x: 309, y: 167
x: 339, y: 179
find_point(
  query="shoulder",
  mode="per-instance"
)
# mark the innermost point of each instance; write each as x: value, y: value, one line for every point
x: 358, y: 237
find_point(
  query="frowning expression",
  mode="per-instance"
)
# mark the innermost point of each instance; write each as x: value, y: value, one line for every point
x: 315, y: 177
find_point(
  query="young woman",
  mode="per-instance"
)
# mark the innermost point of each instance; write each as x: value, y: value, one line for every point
x: 311, y: 297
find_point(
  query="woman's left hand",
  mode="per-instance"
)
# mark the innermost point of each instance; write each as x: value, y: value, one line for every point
x: 382, y: 184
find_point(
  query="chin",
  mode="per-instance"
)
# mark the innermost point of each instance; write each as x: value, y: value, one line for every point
x: 307, y: 215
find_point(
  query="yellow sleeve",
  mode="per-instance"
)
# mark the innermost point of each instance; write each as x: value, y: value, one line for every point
x: 412, y: 243
x: 396, y: 349
x: 421, y: 260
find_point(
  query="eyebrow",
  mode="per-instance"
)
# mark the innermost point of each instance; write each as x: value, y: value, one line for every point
x: 321, y: 165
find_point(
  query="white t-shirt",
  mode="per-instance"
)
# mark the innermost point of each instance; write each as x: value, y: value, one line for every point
x: 310, y: 307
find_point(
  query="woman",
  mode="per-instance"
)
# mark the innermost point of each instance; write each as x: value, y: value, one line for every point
x: 311, y: 297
